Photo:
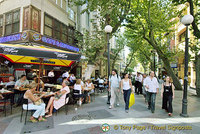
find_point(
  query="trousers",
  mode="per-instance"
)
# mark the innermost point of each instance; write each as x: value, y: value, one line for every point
x: 40, y: 109
x: 114, y: 96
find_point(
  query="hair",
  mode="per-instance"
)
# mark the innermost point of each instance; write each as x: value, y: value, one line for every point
x: 170, y: 79
x: 66, y: 82
x: 89, y: 80
x: 11, y: 78
x: 78, y: 81
x: 124, y: 74
x: 115, y: 71
x: 34, y: 76
x: 33, y: 86
x: 22, y: 75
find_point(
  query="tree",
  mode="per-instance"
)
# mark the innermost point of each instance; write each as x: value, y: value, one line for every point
x: 149, y: 21
x: 120, y: 44
x: 112, y: 12
x: 195, y: 12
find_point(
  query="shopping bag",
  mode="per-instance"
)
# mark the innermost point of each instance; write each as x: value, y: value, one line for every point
x: 131, y: 100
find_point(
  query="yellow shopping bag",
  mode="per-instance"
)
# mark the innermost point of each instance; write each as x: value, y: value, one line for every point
x: 131, y: 100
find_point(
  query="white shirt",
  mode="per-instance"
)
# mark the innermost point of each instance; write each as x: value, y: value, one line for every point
x: 114, y: 81
x: 138, y: 78
x: 152, y: 84
x: 51, y: 74
x: 126, y: 84
x: 72, y: 78
x: 65, y: 75
x: 77, y: 87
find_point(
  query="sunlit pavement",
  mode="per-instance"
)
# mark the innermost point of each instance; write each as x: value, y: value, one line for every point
x: 89, y: 118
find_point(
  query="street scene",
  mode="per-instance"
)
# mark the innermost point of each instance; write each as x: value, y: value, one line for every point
x: 94, y: 67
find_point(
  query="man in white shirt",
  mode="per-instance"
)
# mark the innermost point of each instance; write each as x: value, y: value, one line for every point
x: 114, y: 88
x: 51, y: 77
x: 138, y: 83
x: 152, y: 86
x: 65, y: 75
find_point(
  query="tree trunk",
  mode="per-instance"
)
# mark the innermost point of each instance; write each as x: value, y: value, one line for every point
x: 127, y: 65
x: 90, y: 69
x: 197, y: 66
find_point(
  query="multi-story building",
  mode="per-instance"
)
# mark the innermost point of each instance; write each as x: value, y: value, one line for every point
x: 51, y: 23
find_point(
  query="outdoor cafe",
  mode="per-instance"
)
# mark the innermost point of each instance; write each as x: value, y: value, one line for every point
x: 15, y: 59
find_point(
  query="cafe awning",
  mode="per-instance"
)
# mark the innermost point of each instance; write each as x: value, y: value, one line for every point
x: 38, y: 52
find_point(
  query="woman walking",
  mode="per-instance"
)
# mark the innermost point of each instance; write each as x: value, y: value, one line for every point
x: 167, y: 93
x: 126, y: 88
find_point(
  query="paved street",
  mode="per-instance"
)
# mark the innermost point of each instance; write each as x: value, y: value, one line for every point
x: 89, y: 118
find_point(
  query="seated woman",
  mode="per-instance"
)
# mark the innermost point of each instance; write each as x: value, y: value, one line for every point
x: 79, y: 87
x: 58, y: 100
x: 90, y: 89
x: 40, y: 109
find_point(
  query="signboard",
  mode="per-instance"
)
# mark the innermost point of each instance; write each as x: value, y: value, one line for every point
x: 173, y: 65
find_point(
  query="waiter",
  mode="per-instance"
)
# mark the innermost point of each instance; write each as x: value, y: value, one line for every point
x: 138, y: 83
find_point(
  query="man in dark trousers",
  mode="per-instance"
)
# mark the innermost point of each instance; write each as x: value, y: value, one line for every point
x: 138, y: 83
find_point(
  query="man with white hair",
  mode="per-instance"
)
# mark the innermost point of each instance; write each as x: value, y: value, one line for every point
x: 11, y: 82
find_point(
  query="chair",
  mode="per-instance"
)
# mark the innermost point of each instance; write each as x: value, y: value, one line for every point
x: 66, y: 107
x: 5, y: 103
x: 76, y: 95
x: 25, y: 101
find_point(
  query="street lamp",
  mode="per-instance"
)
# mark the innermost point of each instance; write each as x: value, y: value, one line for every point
x: 108, y: 30
x: 186, y: 20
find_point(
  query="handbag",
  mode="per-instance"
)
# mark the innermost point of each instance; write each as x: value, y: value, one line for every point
x: 131, y: 100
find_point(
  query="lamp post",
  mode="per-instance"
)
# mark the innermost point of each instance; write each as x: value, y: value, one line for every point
x: 108, y: 30
x: 186, y: 20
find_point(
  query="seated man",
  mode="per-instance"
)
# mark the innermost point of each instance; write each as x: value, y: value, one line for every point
x: 11, y: 82
x: 20, y: 84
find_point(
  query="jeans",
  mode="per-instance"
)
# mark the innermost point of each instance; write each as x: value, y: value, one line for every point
x: 40, y: 109
x: 126, y: 98
x: 151, y: 98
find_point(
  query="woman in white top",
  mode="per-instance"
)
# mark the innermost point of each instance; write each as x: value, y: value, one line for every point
x: 126, y: 88
x: 90, y: 89
x: 40, y: 109
x: 78, y: 86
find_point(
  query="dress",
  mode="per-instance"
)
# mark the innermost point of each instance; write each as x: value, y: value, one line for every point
x: 61, y: 102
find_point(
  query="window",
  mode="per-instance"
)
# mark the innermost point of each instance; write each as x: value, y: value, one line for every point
x: 182, y: 36
x: 58, y: 30
x: 1, y: 25
x: 71, y: 14
x: 12, y: 22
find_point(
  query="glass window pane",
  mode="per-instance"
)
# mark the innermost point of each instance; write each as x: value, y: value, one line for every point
x: 64, y: 38
x: 1, y: 31
x: 57, y: 35
x: 57, y: 25
x: 16, y: 16
x: 8, y: 18
x: 8, y: 29
x: 48, y: 21
x: 48, y: 31
x: 70, y: 40
x: 1, y: 21
x: 64, y: 29
x: 16, y: 27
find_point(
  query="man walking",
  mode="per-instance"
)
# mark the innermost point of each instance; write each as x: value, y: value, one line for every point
x: 152, y: 86
x: 114, y: 84
x: 138, y: 83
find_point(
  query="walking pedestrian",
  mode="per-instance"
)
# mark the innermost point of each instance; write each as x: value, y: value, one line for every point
x: 126, y: 88
x: 144, y: 88
x: 167, y: 93
x: 152, y: 86
x: 138, y: 83
x: 114, y: 88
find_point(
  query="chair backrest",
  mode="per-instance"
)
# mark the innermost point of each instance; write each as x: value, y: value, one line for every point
x: 10, y: 87
x: 25, y: 101
x: 67, y: 98
x: 76, y: 92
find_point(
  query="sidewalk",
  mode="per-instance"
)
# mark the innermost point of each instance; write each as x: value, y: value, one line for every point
x: 88, y: 119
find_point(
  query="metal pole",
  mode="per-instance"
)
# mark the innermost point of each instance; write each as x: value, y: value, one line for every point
x: 184, y: 101
x: 154, y: 63
x: 108, y: 60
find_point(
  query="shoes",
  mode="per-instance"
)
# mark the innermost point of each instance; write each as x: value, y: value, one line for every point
x: 126, y: 111
x: 170, y: 114
x: 118, y: 105
x: 110, y: 107
x: 152, y: 111
x: 148, y: 108
x: 108, y: 102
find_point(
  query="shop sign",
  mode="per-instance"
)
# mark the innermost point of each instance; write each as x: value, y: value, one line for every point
x: 59, y: 44
x: 10, y: 38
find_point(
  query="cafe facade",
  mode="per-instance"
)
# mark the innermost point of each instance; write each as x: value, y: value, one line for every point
x: 40, y: 23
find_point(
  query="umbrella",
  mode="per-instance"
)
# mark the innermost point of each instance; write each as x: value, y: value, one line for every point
x: 39, y: 52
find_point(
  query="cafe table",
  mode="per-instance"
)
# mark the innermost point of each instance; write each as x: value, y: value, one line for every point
x: 7, y: 95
